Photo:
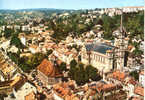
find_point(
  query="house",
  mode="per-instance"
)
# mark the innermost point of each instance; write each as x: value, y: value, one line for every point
x: 25, y: 28
x: 111, y: 91
x: 48, y: 72
x: 22, y: 38
x: 5, y: 87
x: 139, y: 92
x: 9, y: 86
x: 34, y: 49
x: 7, y: 71
x: 24, y: 91
x: 13, y: 49
x: 141, y: 78
x: 117, y: 77
x: 63, y: 91
x: 129, y: 85
x: 31, y: 96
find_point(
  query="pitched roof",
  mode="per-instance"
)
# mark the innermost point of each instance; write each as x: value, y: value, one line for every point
x: 136, y: 98
x: 139, y: 90
x: 98, y: 47
x: 142, y: 72
x: 108, y: 87
x: 130, y: 80
x: 30, y: 96
x: 119, y: 75
x: 48, y: 68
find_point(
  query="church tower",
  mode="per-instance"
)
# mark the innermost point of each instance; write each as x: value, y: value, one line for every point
x: 121, y: 46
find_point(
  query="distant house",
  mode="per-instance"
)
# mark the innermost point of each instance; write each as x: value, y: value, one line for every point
x: 5, y: 87
x: 139, y: 92
x: 129, y: 85
x: 107, y: 91
x: 22, y: 38
x: 141, y: 78
x: 34, y: 49
x: 31, y: 96
x: 12, y: 86
x: 48, y: 72
x: 23, y: 92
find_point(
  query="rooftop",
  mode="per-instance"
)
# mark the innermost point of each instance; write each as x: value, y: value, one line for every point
x: 118, y: 75
x: 139, y: 90
x: 49, y: 69
x: 142, y: 72
x: 108, y: 87
x: 99, y: 47
x: 30, y: 96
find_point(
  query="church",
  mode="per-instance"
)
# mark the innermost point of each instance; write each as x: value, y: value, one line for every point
x: 107, y: 57
x: 99, y: 55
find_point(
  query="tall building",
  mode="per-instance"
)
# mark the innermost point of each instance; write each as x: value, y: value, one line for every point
x: 121, y: 44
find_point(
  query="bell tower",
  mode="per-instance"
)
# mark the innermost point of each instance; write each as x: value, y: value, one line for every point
x: 120, y: 47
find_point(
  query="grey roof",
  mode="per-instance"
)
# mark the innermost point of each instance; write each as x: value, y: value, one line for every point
x: 98, y: 47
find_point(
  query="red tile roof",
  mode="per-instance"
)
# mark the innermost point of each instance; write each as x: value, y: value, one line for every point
x: 142, y: 72
x: 108, y: 87
x: 130, y: 80
x: 139, y: 90
x: 30, y: 96
x: 48, y: 68
x: 119, y: 75
x: 135, y: 98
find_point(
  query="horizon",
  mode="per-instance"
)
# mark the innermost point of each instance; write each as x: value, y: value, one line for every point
x: 69, y: 9
x: 67, y: 5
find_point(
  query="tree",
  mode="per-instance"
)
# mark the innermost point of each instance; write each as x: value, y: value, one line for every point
x: 31, y: 62
x: 92, y: 73
x: 8, y: 32
x: 62, y: 66
x: 79, y: 58
x: 14, y: 57
x: 16, y: 41
x: 81, y: 74
x: 49, y: 52
x: 73, y: 63
x: 134, y: 74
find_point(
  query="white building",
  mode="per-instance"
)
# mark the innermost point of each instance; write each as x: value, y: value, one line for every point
x: 141, y: 78
x: 26, y: 89
x: 99, y: 55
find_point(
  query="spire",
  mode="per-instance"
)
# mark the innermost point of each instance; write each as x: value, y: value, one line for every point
x: 121, y: 21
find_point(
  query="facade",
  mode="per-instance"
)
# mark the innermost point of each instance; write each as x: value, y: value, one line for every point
x: 24, y: 90
x: 99, y: 55
x: 121, y: 46
x: 141, y: 78
x: 48, y: 72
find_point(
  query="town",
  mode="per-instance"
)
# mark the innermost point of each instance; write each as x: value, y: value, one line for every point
x: 51, y: 54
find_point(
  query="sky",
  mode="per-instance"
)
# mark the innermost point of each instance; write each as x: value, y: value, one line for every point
x: 68, y: 4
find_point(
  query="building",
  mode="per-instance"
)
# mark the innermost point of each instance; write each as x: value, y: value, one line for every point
x: 106, y: 57
x: 100, y: 55
x: 25, y: 90
x: 139, y: 92
x: 141, y: 78
x: 31, y: 96
x: 5, y: 87
x: 48, y: 72
x: 22, y: 38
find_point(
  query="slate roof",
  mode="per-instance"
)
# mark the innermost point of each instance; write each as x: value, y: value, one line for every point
x: 98, y: 47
